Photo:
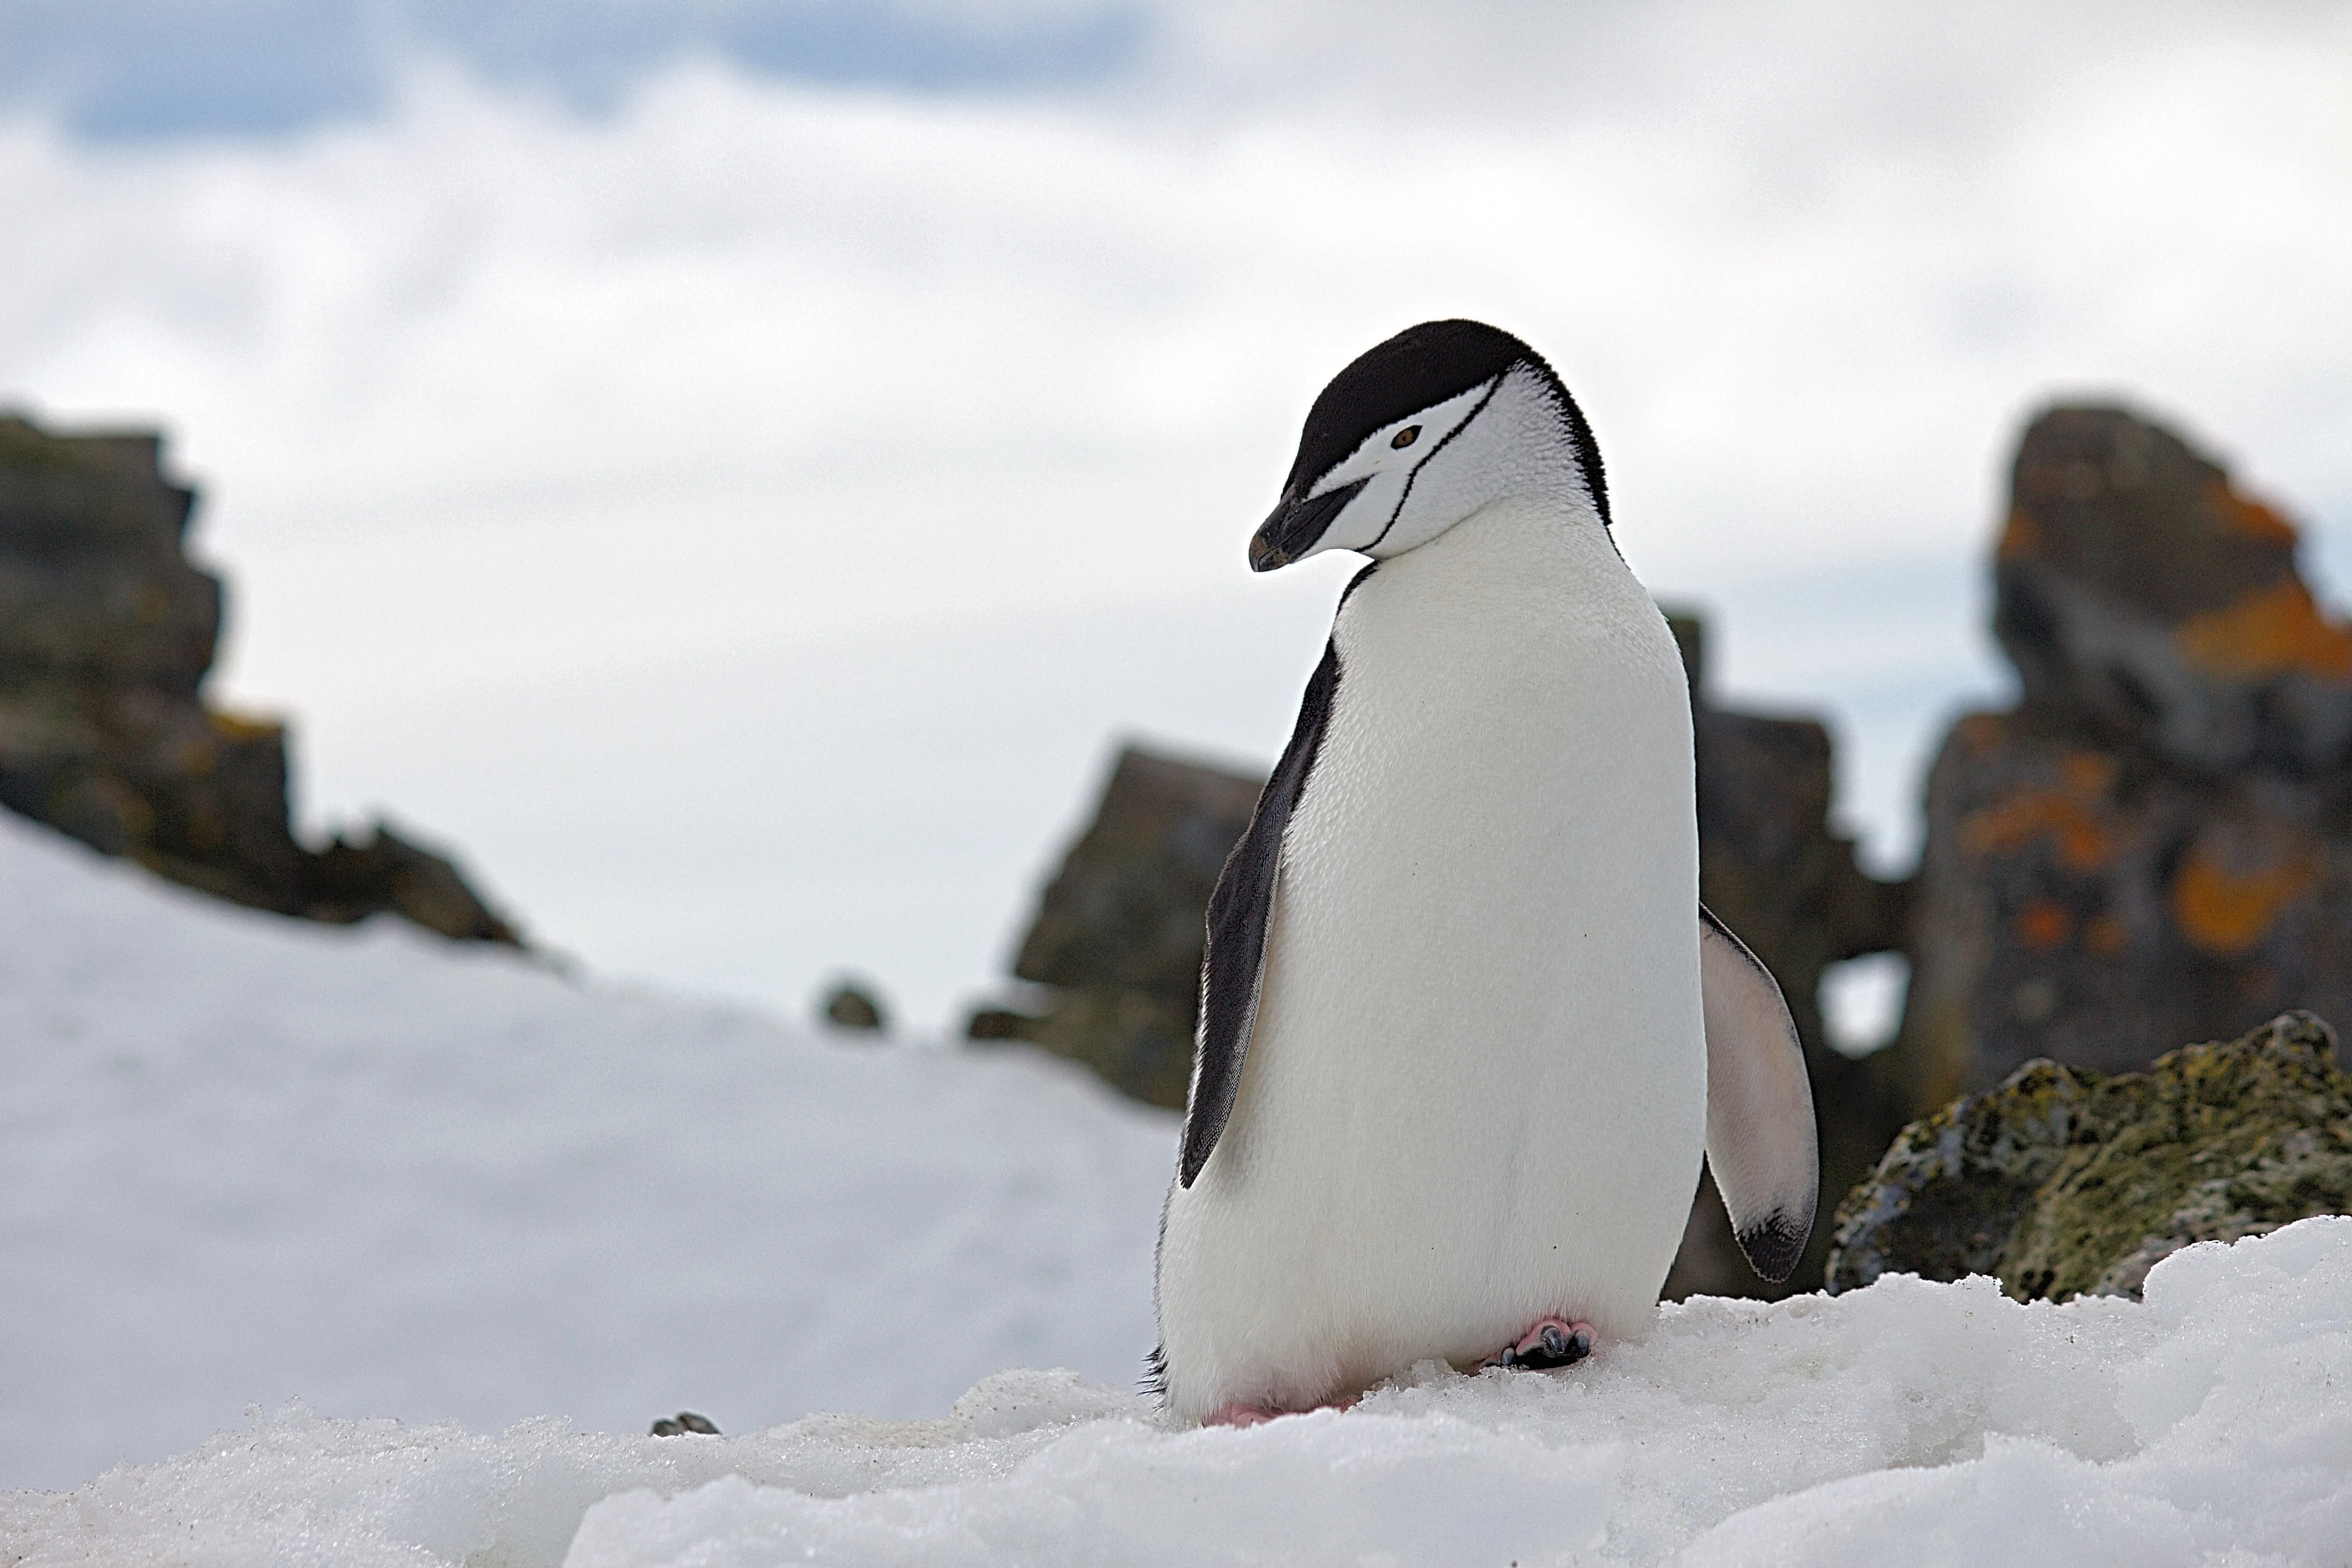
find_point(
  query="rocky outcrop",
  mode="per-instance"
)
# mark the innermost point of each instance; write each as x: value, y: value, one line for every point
x: 1119, y: 929
x: 2155, y: 844
x: 1773, y: 869
x: 107, y: 632
x: 2145, y: 599
x: 2063, y: 1182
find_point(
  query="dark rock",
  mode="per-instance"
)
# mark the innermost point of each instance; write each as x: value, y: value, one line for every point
x: 2063, y: 1182
x: 1119, y: 929
x: 107, y: 632
x: 2146, y: 602
x: 1141, y: 1044
x: 852, y: 1007
x: 2156, y: 844
x: 350, y: 880
x: 991, y: 1023
x: 685, y: 1423
x: 1772, y: 870
x: 1126, y: 908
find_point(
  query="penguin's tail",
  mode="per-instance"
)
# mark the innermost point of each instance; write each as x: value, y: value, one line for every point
x: 1155, y: 1371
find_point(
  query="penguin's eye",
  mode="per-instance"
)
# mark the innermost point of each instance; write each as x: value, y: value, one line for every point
x: 1406, y: 437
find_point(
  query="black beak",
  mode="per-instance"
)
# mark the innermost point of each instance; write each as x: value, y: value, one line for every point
x: 1295, y: 525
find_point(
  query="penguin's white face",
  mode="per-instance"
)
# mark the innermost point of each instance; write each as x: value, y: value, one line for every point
x: 1384, y: 468
x: 1358, y: 503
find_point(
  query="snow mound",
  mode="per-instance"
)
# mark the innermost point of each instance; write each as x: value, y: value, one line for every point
x: 245, y: 1160
x: 1910, y: 1421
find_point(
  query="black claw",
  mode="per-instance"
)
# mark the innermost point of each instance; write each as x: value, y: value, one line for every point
x: 1552, y: 1348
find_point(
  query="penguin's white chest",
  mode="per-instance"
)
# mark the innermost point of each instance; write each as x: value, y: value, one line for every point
x: 1474, y: 1095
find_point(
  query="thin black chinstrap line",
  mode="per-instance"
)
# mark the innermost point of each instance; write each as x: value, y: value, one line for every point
x: 1407, y: 493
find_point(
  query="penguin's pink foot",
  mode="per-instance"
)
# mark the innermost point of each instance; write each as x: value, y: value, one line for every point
x: 1555, y: 1341
x: 1240, y: 1415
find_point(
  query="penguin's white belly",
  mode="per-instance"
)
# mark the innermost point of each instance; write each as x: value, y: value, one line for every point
x: 1474, y: 1096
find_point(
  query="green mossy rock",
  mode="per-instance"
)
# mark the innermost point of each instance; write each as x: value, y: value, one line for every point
x: 2062, y: 1182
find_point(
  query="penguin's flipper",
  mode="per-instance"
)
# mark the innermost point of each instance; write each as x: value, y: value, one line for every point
x: 1240, y: 911
x: 1759, y: 1104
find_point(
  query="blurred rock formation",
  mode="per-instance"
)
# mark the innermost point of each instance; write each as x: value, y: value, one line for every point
x: 855, y: 1006
x: 2064, y: 1182
x: 1120, y: 928
x: 107, y: 632
x: 1772, y: 870
x: 2155, y: 844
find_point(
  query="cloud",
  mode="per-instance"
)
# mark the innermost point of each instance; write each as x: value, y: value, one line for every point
x: 492, y: 399
x: 150, y: 70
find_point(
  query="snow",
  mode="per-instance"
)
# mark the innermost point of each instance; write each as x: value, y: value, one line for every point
x: 245, y: 1160
x: 1910, y: 1421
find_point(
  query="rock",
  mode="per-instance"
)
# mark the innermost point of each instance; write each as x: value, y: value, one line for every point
x: 349, y: 880
x: 684, y: 1424
x: 2156, y: 843
x: 852, y: 1007
x: 1141, y: 1044
x: 2063, y: 1182
x: 1126, y: 908
x: 1773, y: 870
x: 992, y: 1024
x: 1119, y: 929
x: 107, y: 633
x: 2145, y: 601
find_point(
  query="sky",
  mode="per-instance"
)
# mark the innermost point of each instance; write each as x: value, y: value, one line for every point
x: 737, y: 471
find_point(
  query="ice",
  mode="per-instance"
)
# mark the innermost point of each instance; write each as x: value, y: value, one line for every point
x: 244, y: 1159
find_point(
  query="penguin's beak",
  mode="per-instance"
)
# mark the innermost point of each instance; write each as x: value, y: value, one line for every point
x: 1297, y: 525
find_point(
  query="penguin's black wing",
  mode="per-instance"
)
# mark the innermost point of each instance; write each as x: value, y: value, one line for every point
x: 1240, y: 911
x: 1759, y: 1104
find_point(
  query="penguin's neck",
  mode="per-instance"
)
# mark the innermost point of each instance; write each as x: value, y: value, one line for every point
x: 1545, y: 547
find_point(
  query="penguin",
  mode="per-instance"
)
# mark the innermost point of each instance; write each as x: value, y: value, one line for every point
x: 1465, y: 1029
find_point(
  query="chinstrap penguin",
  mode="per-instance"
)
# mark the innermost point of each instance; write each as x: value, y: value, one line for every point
x: 1465, y: 1028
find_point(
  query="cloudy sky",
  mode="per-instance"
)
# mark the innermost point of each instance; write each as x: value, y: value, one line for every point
x: 736, y: 469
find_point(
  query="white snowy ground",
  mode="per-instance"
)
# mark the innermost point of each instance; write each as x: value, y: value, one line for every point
x: 244, y: 1159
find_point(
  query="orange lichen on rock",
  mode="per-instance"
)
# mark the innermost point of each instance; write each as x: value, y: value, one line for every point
x: 243, y: 726
x: 2248, y: 516
x: 2269, y: 631
x: 2021, y: 536
x: 2088, y: 773
x: 2227, y: 912
x: 2083, y: 841
x: 2043, y: 925
x: 1980, y: 731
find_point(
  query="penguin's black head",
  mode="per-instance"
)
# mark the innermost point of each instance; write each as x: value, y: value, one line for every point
x: 1419, y: 433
